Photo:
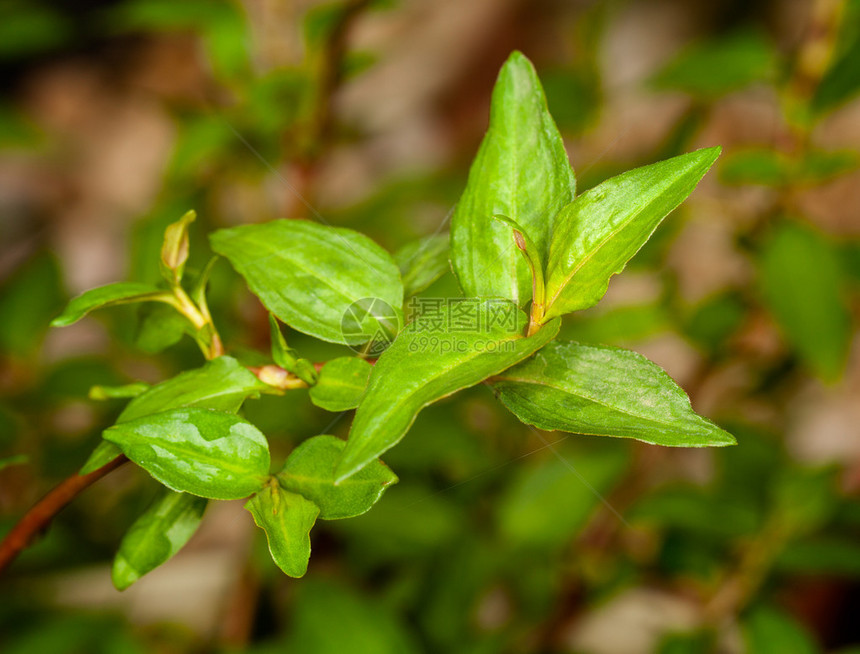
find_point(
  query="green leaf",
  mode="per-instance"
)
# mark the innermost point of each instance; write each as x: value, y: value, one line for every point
x: 529, y: 251
x: 309, y: 471
x: 800, y: 280
x: 521, y: 171
x: 603, y: 228
x: 309, y: 275
x: 770, y: 631
x: 104, y: 453
x: 99, y: 392
x: 287, y: 358
x: 174, y: 250
x: 156, y: 536
x: 604, y: 391
x: 222, y: 384
x: 282, y: 354
x: 199, y: 451
x: 341, y: 384
x: 287, y: 519
x: 110, y: 295
x: 422, y: 262
x: 426, y: 363
x: 547, y: 503
x: 709, y: 70
x: 159, y: 326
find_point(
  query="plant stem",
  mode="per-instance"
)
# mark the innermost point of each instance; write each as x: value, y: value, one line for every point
x: 42, y: 513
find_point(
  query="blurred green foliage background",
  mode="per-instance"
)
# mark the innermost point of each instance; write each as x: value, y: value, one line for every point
x: 119, y: 115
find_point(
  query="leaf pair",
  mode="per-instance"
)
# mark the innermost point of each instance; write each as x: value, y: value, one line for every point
x: 426, y: 363
x: 222, y: 384
x: 200, y: 453
x: 305, y: 490
x: 572, y: 245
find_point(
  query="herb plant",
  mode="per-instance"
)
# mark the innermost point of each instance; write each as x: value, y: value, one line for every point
x: 526, y: 250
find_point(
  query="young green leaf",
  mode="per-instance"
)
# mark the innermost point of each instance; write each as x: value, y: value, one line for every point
x: 604, y: 391
x: 309, y: 471
x: 110, y: 295
x: 174, y: 250
x: 603, y: 228
x: 222, y: 384
x: 156, y: 536
x: 308, y: 275
x: 159, y: 326
x: 287, y: 358
x: 199, y: 451
x: 341, y: 384
x: 529, y: 251
x: 425, y: 364
x: 422, y: 262
x: 521, y: 171
x: 287, y: 519
x: 800, y: 279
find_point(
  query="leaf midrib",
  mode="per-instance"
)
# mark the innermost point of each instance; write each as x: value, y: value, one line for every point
x: 612, y: 234
x: 180, y: 448
x: 587, y: 397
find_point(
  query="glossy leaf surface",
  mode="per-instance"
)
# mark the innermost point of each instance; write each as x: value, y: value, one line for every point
x: 287, y: 519
x: 341, y: 384
x: 309, y: 471
x: 427, y: 363
x: 598, y: 233
x: 156, y: 536
x: 422, y: 262
x: 222, y: 384
x: 105, y: 296
x: 208, y: 453
x: 309, y: 275
x: 521, y: 171
x: 604, y: 391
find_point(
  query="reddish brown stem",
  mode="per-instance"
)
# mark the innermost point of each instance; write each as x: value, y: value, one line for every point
x: 40, y: 516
